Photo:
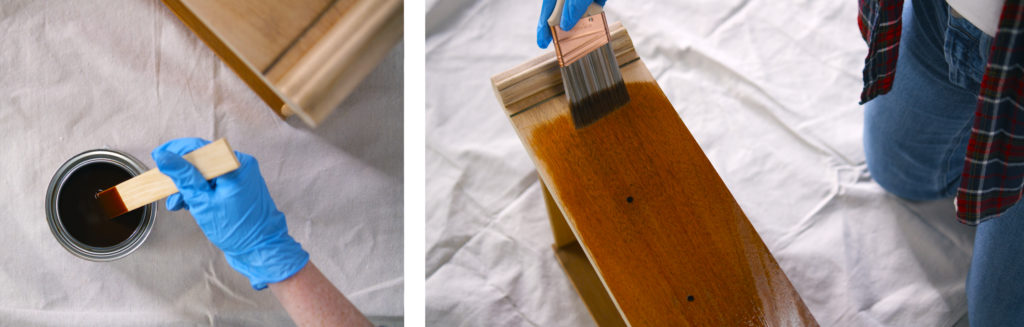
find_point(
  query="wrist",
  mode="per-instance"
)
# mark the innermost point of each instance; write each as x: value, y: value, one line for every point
x: 269, y: 262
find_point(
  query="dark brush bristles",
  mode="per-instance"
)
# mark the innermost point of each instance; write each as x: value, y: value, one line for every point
x: 594, y: 86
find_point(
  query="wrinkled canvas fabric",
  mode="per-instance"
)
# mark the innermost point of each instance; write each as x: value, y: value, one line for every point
x: 769, y: 90
x: 128, y: 75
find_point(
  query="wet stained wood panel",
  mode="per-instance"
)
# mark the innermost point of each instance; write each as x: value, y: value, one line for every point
x: 665, y: 236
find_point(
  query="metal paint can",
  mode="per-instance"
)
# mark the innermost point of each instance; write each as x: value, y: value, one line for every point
x: 62, y: 222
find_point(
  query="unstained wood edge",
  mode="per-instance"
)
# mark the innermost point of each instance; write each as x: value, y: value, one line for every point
x: 325, y: 95
x: 539, y: 79
x: 243, y: 68
x: 346, y: 54
x: 334, y: 11
x: 212, y: 160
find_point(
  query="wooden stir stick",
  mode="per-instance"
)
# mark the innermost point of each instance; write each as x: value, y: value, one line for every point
x: 212, y: 160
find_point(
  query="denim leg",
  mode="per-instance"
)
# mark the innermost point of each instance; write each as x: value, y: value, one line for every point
x: 915, y: 140
x: 995, y: 283
x: 915, y: 137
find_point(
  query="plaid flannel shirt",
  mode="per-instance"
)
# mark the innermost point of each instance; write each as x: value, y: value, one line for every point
x: 993, y: 174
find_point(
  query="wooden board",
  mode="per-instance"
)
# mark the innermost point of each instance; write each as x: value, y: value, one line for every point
x: 664, y: 235
x: 301, y: 57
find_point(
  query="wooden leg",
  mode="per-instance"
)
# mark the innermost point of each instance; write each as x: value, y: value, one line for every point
x: 579, y: 269
x: 559, y: 226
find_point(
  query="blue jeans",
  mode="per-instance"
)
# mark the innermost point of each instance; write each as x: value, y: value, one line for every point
x: 915, y: 140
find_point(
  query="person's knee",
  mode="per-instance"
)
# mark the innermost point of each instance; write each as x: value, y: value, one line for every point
x: 893, y: 163
x: 890, y: 179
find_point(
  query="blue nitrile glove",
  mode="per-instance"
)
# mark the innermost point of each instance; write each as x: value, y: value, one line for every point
x: 235, y: 212
x: 571, y: 13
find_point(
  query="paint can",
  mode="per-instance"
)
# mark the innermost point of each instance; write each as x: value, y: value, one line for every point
x: 72, y: 211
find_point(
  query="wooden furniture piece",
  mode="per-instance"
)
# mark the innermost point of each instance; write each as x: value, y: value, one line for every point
x: 301, y: 57
x: 644, y: 226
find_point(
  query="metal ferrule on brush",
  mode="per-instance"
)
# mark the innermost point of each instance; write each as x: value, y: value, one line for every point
x: 590, y: 73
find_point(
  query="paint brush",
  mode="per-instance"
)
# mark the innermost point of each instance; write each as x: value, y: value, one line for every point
x: 212, y: 160
x: 590, y: 73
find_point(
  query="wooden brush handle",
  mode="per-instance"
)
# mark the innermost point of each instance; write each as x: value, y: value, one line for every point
x: 212, y: 160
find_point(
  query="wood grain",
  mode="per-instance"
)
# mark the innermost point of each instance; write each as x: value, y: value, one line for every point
x: 249, y: 73
x: 302, y: 45
x: 346, y: 53
x: 663, y: 233
x: 273, y: 46
x: 212, y: 160
x: 259, y: 31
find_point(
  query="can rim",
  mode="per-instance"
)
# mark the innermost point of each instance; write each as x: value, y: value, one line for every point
x: 120, y: 159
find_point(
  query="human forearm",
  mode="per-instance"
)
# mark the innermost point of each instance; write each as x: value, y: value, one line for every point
x: 237, y: 215
x: 311, y: 300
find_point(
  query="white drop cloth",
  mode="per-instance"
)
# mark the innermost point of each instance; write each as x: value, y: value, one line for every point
x: 128, y: 75
x: 768, y: 88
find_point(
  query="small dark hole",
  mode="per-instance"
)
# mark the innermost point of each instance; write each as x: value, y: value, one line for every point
x: 689, y: 298
x: 629, y: 199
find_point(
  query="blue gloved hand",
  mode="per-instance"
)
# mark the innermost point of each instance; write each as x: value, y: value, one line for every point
x: 571, y: 13
x: 235, y: 212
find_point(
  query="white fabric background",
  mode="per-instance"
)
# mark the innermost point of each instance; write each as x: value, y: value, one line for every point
x: 128, y: 75
x: 768, y: 88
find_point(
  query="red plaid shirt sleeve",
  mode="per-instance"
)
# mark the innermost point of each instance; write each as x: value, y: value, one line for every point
x: 881, y: 23
x: 993, y: 176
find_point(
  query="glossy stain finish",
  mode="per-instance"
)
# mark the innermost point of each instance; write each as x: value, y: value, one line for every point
x: 668, y: 240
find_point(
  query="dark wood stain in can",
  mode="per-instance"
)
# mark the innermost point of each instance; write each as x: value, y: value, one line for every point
x: 81, y: 214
